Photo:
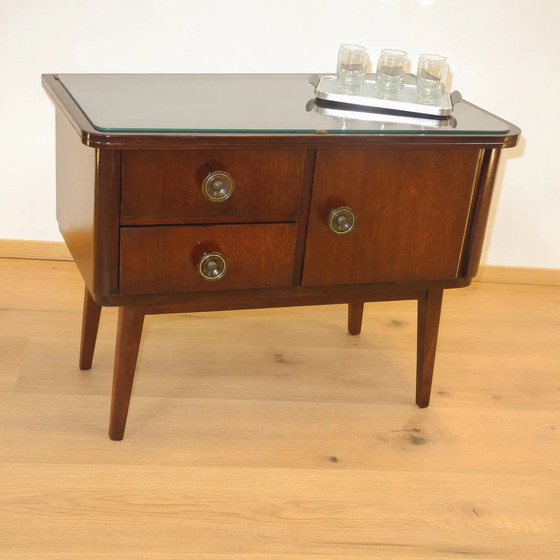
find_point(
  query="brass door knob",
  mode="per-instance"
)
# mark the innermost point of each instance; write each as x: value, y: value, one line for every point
x: 218, y: 186
x: 342, y: 220
x: 212, y: 266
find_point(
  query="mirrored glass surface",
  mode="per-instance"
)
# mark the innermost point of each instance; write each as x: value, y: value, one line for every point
x: 283, y: 103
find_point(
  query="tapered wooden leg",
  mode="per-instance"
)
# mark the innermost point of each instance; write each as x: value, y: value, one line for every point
x: 355, y: 314
x: 129, y: 333
x: 90, y: 324
x: 429, y: 310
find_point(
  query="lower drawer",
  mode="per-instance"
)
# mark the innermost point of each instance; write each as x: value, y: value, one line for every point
x: 173, y: 259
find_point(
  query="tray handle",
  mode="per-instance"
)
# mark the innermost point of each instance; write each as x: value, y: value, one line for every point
x: 314, y: 80
x: 455, y: 97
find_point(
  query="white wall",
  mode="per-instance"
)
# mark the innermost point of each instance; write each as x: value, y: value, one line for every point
x: 503, y: 55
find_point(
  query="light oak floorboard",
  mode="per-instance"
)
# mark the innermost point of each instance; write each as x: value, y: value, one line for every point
x: 273, y: 434
x: 297, y: 512
x: 24, y: 249
x: 282, y: 434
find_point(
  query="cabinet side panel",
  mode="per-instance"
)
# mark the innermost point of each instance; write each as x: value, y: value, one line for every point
x: 87, y: 207
x: 75, y: 196
x: 481, y: 208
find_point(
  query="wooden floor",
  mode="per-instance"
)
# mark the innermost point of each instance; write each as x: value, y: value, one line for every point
x: 275, y: 435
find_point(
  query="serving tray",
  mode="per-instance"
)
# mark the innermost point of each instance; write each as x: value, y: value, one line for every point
x: 387, y: 120
x: 405, y: 101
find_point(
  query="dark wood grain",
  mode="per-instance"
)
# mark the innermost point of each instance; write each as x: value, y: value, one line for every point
x: 303, y: 218
x: 129, y: 333
x: 90, y: 325
x: 76, y: 171
x: 168, y: 183
x: 479, y: 217
x: 222, y: 300
x: 106, y: 225
x: 355, y: 314
x: 218, y: 219
x: 412, y: 209
x: 88, y: 194
x: 429, y: 310
x: 164, y: 259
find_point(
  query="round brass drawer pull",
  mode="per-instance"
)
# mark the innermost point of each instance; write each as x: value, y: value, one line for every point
x: 218, y: 186
x: 212, y: 266
x: 342, y: 220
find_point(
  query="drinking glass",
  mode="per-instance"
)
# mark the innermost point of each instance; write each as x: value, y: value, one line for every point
x: 351, y: 68
x: 390, y: 71
x: 431, y: 77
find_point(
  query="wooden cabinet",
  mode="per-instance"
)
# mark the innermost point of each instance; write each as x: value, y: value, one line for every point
x: 250, y: 202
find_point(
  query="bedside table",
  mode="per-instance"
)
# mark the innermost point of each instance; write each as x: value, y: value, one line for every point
x: 186, y: 193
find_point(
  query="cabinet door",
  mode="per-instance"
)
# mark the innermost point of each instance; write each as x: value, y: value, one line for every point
x: 412, y: 207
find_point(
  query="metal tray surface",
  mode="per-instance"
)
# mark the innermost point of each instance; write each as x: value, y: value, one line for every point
x: 386, y: 121
x: 406, y: 100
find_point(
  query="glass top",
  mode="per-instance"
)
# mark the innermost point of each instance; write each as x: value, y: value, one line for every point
x: 273, y: 103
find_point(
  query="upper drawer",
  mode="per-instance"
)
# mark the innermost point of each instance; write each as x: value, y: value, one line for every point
x: 256, y: 184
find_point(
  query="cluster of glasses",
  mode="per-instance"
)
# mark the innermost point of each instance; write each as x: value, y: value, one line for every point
x: 353, y: 62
